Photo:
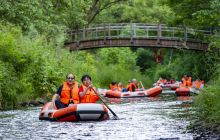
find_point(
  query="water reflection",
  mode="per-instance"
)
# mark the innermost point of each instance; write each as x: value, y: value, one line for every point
x: 140, y: 118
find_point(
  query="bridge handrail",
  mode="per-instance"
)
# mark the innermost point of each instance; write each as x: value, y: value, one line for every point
x: 136, y: 30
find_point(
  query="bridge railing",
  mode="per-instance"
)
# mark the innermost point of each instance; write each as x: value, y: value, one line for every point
x: 137, y: 30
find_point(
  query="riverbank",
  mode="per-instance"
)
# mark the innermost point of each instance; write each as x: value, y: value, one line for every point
x: 207, y: 112
x: 204, y: 131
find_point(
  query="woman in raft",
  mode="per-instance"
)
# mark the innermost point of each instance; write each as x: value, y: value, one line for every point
x: 86, y: 91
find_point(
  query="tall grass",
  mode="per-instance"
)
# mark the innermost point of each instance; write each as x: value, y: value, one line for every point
x: 207, y: 104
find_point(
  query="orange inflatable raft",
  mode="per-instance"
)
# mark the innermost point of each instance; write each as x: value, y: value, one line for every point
x: 152, y: 92
x: 185, y: 91
x: 170, y: 86
x: 76, y: 112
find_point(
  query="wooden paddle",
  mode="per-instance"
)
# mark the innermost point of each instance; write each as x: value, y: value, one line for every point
x: 115, y: 116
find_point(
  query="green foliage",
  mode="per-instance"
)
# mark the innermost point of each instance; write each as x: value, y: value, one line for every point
x: 8, y: 86
x: 138, y: 11
x: 207, y: 106
x: 121, y: 56
x: 40, y: 15
x: 145, y: 59
x: 25, y: 67
x: 196, y: 13
x: 163, y: 72
x: 118, y: 64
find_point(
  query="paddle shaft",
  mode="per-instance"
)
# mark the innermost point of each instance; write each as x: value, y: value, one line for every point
x: 105, y: 103
x: 142, y: 85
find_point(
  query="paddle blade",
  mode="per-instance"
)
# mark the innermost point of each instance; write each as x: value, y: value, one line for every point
x: 115, y: 118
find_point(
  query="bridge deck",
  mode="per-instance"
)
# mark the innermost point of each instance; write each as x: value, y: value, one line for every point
x: 137, y: 35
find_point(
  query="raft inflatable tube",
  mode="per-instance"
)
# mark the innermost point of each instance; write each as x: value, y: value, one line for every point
x: 152, y: 92
x: 170, y: 86
x: 75, y: 112
x: 183, y: 91
x: 195, y: 91
x: 119, y: 94
x: 174, y: 86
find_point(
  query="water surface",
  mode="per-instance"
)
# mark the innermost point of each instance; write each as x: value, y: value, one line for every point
x: 140, y: 119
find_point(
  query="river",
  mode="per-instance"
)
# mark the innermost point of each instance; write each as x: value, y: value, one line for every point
x: 160, y: 118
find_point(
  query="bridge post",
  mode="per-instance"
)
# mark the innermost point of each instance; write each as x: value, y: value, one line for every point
x: 185, y: 36
x: 134, y: 30
x: 84, y: 33
x: 104, y: 33
x: 159, y: 33
x: 109, y: 31
x: 131, y: 34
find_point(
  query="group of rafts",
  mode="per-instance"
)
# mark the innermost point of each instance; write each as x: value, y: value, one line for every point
x: 98, y: 112
x: 186, y: 87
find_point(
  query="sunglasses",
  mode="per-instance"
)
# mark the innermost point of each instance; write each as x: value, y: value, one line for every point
x: 71, y: 78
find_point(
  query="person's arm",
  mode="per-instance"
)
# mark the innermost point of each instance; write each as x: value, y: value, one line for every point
x: 56, y: 95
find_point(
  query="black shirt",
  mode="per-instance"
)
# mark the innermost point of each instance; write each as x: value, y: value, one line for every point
x: 59, y: 90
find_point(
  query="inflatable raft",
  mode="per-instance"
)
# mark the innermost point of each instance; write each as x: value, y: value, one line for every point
x: 170, y: 86
x: 185, y: 91
x: 152, y: 92
x: 76, y: 112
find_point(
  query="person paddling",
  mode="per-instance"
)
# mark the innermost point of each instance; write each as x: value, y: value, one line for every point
x: 113, y: 86
x: 132, y: 86
x: 86, y: 92
x: 66, y: 94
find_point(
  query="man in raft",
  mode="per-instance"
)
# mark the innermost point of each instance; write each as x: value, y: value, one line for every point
x: 133, y: 86
x: 66, y: 94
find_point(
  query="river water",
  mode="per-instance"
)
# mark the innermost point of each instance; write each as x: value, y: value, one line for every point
x: 158, y: 118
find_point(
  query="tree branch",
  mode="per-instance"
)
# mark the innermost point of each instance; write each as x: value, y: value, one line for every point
x: 100, y: 8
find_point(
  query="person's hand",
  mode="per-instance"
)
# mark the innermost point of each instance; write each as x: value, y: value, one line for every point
x: 52, y: 105
x: 90, y: 86
x: 71, y: 104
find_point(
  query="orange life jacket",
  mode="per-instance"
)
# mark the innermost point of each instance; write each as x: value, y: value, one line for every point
x: 113, y: 87
x: 130, y: 87
x: 89, y: 97
x: 183, y: 82
x: 197, y: 84
x: 67, y: 93
x: 189, y: 82
x: 186, y: 82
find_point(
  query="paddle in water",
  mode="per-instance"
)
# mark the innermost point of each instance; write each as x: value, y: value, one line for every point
x: 115, y: 116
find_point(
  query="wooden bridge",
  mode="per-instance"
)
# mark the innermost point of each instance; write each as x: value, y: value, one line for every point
x: 137, y: 35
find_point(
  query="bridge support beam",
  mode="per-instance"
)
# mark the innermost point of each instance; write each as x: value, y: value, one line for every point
x: 158, y: 56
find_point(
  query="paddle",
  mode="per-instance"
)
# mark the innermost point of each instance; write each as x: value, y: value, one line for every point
x: 115, y: 116
x: 142, y: 85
